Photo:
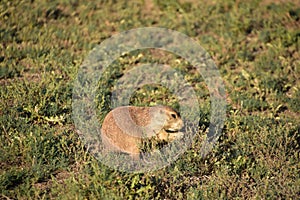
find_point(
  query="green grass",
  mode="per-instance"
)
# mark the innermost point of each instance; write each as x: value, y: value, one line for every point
x: 255, y: 45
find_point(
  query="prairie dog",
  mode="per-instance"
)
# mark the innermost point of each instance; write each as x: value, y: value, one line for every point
x: 125, y: 127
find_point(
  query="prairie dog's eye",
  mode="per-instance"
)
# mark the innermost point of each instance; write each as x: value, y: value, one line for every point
x: 174, y: 115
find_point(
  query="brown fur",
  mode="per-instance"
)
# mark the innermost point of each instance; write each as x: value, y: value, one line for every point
x: 124, y: 128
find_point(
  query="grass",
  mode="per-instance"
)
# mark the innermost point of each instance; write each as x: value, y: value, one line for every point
x: 255, y: 45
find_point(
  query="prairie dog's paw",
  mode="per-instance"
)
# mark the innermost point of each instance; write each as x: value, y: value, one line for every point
x: 180, y: 135
x: 175, y: 136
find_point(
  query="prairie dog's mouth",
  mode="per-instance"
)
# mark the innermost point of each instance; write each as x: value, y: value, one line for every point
x: 171, y: 130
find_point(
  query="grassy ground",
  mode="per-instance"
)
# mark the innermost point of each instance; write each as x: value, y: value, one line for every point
x: 256, y: 46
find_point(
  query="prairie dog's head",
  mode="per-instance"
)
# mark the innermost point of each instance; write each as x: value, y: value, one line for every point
x: 173, y: 122
x: 167, y: 118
